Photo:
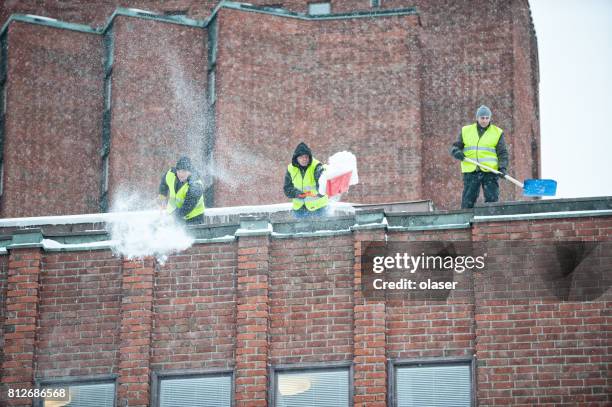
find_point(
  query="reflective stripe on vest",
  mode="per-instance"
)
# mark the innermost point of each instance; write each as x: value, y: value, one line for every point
x: 176, y: 199
x: 305, y: 184
x: 481, y: 149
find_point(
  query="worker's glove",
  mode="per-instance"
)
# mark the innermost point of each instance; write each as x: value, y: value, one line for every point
x: 307, y: 194
x: 502, y: 173
x: 459, y: 155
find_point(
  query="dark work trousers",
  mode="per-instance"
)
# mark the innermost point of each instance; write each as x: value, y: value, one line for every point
x: 471, y: 187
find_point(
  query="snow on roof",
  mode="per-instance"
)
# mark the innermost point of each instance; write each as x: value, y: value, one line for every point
x: 49, y: 244
x: 538, y: 215
x: 115, y: 216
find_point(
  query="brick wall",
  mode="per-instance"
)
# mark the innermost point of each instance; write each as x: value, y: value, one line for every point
x: 53, y: 122
x: 311, y: 300
x: 395, y: 90
x: 534, y: 348
x: 158, y: 103
x: 456, y: 83
x: 19, y: 325
x: 526, y: 134
x: 3, y: 288
x: 264, y: 301
x: 336, y: 85
x: 97, y: 14
x: 79, y: 314
x: 422, y: 328
x: 194, y: 308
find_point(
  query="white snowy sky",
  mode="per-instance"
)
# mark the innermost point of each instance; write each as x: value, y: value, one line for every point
x: 575, y: 55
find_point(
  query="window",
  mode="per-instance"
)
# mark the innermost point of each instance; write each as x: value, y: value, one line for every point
x: 195, y: 390
x: 433, y: 384
x: 313, y: 387
x: 82, y: 394
x: 317, y: 9
x: 375, y: 3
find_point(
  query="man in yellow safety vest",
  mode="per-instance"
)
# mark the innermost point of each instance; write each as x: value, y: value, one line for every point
x: 182, y: 193
x: 302, y: 183
x: 483, y: 142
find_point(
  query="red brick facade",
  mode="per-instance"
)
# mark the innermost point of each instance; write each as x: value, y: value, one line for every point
x: 267, y: 300
x: 53, y: 122
x: 394, y: 89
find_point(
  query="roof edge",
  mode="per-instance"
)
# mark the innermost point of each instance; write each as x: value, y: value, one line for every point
x: 185, y: 21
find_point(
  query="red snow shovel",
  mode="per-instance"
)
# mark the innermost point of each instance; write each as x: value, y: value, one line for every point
x: 338, y: 184
x: 531, y: 187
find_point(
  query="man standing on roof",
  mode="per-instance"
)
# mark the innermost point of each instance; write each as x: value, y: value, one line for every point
x: 483, y: 142
x: 302, y: 183
x: 182, y: 193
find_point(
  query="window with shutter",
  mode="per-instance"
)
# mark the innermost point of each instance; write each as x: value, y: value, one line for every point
x: 83, y: 395
x: 200, y: 391
x: 433, y: 385
x: 312, y: 388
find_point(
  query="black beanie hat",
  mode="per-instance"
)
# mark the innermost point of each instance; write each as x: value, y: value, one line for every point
x: 184, y: 163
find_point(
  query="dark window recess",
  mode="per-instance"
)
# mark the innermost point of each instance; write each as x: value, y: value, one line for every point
x: 176, y: 13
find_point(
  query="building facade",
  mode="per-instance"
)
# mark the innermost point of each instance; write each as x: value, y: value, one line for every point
x: 272, y: 312
x: 104, y: 99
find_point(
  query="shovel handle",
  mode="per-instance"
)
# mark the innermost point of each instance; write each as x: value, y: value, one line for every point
x: 486, y: 167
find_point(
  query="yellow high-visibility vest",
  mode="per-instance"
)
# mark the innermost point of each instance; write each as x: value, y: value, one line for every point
x: 481, y: 149
x: 176, y: 199
x: 305, y: 184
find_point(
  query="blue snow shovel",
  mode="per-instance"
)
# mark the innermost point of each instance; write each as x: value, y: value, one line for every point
x: 531, y: 187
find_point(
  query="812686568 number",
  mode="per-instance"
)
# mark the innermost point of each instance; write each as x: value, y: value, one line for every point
x: 47, y: 393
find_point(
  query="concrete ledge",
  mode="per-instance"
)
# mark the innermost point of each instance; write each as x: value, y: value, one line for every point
x: 88, y: 232
x: 432, y: 227
x: 26, y: 238
x: 542, y: 215
x: 544, y: 206
x: 254, y: 226
x: 427, y: 221
x: 319, y: 233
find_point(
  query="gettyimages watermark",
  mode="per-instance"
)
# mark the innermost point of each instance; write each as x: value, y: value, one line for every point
x: 502, y: 269
x: 417, y: 270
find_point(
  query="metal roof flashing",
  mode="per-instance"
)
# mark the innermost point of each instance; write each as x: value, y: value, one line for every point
x: 75, y: 233
x: 182, y: 20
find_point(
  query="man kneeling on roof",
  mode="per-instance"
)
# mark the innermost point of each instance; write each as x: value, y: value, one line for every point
x: 182, y: 193
x: 302, y: 183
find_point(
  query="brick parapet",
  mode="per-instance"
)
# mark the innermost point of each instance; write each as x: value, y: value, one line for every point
x: 19, y: 325
x: 252, y: 321
x: 135, y: 334
x: 537, y: 344
x: 297, y: 300
x: 370, y: 359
